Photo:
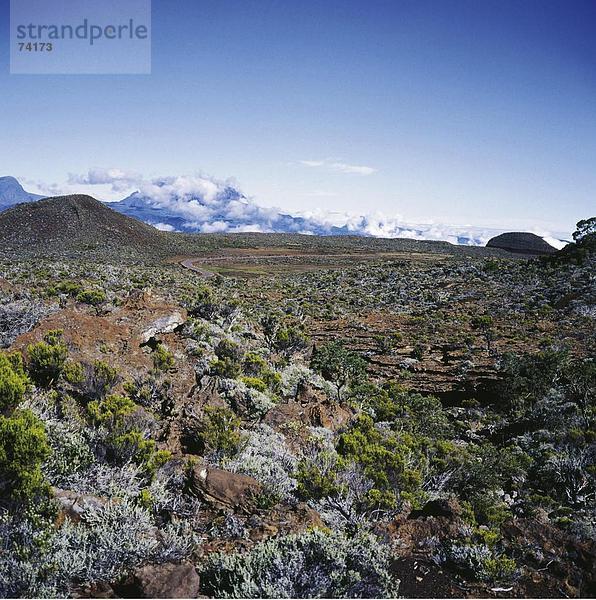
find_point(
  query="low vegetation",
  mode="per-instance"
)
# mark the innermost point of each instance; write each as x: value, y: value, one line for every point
x: 308, y: 434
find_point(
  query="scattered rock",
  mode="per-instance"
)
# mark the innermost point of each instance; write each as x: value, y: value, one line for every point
x: 98, y: 589
x: 310, y: 407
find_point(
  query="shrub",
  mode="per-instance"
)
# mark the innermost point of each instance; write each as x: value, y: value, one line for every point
x: 307, y: 565
x: 92, y: 297
x: 203, y: 304
x: 477, y: 561
x: 219, y: 431
x: 133, y: 446
x: 112, y: 411
x: 152, y: 392
x: 46, y: 359
x: 37, y: 560
x: 255, y: 383
x: 256, y: 366
x: 163, y: 359
x: 94, y: 381
x: 281, y: 335
x: 70, y: 452
x: 390, y: 462
x: 23, y: 448
x: 265, y: 456
x: 225, y: 367
x: 12, y: 382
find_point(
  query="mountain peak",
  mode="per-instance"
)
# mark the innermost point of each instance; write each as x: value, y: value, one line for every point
x: 12, y: 192
x: 64, y: 224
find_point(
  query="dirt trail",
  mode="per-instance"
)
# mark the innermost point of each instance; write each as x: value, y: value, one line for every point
x: 189, y: 264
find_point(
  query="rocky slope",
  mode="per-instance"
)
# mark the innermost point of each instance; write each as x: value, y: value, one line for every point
x: 68, y: 224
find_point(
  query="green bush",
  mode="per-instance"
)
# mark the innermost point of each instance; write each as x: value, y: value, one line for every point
x: 388, y: 460
x: 46, y: 359
x: 111, y: 411
x: 163, y: 359
x: 91, y: 297
x: 219, y: 431
x: 254, y: 365
x: 23, y: 448
x: 133, y: 446
x: 13, y: 382
x: 255, y: 383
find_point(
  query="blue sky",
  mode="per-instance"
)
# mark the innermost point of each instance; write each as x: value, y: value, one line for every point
x: 478, y: 112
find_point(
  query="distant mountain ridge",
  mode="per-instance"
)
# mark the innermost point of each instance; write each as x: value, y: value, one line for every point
x: 202, y: 205
x: 12, y: 192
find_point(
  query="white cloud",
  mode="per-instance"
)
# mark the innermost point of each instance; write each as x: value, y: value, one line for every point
x: 339, y: 167
x: 164, y: 226
x: 117, y: 178
x: 205, y: 204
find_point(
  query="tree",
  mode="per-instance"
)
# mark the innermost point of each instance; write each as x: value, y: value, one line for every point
x: 484, y: 324
x: 338, y: 365
x: 586, y: 231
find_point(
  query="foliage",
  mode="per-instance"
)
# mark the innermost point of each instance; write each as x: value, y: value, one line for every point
x: 283, y: 334
x: 308, y: 565
x: 92, y: 297
x: 219, y: 431
x: 46, y: 359
x: 585, y: 231
x: 13, y: 382
x: 23, y: 448
x: 111, y: 411
x: 37, y: 560
x: 93, y: 381
x: 163, y: 359
x: 338, y: 365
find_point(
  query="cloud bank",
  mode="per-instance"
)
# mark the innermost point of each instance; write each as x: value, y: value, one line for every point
x: 200, y: 203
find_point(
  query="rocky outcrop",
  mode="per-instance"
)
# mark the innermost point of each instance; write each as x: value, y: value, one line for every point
x: 521, y: 243
x: 165, y: 324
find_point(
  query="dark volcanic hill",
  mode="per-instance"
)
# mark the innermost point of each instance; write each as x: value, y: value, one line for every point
x: 521, y: 243
x: 71, y: 224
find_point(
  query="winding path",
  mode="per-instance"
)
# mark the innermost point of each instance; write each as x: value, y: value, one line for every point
x: 188, y: 263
